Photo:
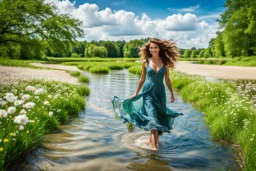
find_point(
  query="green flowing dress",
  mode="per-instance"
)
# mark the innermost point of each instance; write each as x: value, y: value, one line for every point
x: 148, y: 109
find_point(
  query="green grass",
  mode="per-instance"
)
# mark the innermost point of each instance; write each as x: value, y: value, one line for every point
x: 230, y: 115
x: 17, y: 63
x: 91, y: 59
x: 75, y: 73
x: 135, y: 69
x: 43, y: 106
x: 237, y: 61
x: 83, y: 79
x: 99, y: 69
x: 242, y: 61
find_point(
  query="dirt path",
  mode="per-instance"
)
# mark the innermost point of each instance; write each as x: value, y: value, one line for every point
x: 217, y: 71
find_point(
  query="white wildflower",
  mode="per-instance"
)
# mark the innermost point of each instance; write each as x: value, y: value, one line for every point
x: 46, y: 102
x: 11, y: 110
x: 21, y: 119
x: 2, y: 102
x: 23, y: 112
x: 29, y: 105
x: 10, y: 97
x: 18, y: 102
x: 25, y: 97
x: 21, y: 127
x: 39, y: 91
x: 50, y: 113
x: 30, y: 88
x: 3, y: 113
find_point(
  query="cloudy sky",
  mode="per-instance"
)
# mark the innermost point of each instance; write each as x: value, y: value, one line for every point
x: 191, y: 23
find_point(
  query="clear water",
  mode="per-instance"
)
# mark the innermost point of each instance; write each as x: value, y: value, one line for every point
x: 98, y: 140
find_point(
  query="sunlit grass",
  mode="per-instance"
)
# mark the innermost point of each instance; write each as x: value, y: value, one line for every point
x: 242, y: 61
x: 135, y: 69
x: 63, y: 59
x: 83, y: 79
x: 17, y: 63
x: 230, y: 116
x: 29, y: 109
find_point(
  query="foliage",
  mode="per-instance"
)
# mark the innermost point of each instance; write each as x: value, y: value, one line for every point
x: 239, y: 26
x: 131, y: 48
x: 30, y: 26
x: 29, y: 109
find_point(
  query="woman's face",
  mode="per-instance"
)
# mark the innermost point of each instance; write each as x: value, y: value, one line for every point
x: 154, y: 49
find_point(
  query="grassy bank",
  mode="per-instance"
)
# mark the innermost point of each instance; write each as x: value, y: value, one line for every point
x: 29, y: 109
x: 17, y: 63
x: 237, y: 61
x: 230, y: 115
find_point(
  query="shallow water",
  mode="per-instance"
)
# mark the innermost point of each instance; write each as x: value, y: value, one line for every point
x: 98, y: 140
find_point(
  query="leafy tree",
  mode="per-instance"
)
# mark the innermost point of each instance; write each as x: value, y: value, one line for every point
x: 201, y: 53
x: 93, y: 50
x: 36, y: 24
x: 239, y: 26
x: 187, y: 53
x: 112, y: 48
x: 218, y: 46
x: 193, y: 54
x: 131, y: 48
x: 207, y: 53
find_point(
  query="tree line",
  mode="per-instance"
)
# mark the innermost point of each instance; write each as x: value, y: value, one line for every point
x: 33, y: 29
x: 237, y: 38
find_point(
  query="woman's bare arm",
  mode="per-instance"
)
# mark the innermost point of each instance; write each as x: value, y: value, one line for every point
x: 168, y: 83
x: 142, y: 78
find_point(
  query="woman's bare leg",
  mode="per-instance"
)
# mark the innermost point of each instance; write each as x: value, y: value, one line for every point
x: 153, y: 138
x: 149, y: 141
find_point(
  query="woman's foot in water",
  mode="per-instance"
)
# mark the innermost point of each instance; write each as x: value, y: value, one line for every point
x: 148, y: 142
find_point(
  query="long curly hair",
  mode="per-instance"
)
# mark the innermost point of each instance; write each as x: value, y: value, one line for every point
x: 169, y: 52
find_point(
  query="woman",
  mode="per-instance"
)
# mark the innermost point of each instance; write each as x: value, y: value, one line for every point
x: 152, y: 114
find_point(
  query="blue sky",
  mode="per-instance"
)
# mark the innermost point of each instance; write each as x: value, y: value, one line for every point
x: 191, y: 23
x: 160, y: 8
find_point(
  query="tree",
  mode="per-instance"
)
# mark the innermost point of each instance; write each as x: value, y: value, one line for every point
x: 193, y: 54
x: 131, y: 48
x: 36, y: 24
x: 93, y: 50
x: 201, y: 53
x: 239, y: 26
x: 207, y: 53
x: 187, y: 53
x: 112, y: 48
x: 218, y: 46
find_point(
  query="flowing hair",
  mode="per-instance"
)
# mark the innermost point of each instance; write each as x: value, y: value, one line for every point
x: 169, y: 52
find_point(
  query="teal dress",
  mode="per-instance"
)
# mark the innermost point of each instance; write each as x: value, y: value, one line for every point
x: 148, y: 109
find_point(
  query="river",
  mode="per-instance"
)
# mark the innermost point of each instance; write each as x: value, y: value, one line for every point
x: 98, y: 140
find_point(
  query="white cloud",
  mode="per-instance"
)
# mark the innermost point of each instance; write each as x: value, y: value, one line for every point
x: 118, y: 2
x: 187, y: 29
x: 189, y: 9
x: 178, y: 22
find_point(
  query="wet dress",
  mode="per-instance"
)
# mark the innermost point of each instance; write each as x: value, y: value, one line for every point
x: 148, y: 109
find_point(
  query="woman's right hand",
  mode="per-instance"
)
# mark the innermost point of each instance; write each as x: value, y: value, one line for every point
x: 134, y: 95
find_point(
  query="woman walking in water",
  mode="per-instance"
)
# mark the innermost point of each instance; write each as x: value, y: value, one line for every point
x: 152, y: 114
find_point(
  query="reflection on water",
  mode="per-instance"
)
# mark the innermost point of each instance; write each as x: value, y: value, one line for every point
x: 97, y: 139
